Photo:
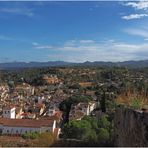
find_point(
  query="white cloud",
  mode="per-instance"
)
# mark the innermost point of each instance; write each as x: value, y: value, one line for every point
x: 18, y: 11
x: 43, y: 47
x: 134, y: 16
x: 138, y: 32
x: 87, y: 41
x: 70, y: 43
x: 11, y: 38
x: 6, y: 38
x: 40, y: 46
x: 138, y: 5
x: 77, y: 42
x: 106, y: 51
x: 35, y: 43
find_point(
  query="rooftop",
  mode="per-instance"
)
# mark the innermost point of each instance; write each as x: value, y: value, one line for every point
x: 26, y: 122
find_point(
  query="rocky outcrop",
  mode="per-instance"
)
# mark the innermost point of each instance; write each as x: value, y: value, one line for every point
x: 131, y: 127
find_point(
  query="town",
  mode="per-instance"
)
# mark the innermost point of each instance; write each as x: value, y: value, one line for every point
x: 47, y: 100
x: 73, y: 73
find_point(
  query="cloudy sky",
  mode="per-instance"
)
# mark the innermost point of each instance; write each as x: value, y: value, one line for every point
x: 73, y: 31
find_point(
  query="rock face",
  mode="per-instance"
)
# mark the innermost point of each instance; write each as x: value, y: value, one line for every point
x: 131, y: 127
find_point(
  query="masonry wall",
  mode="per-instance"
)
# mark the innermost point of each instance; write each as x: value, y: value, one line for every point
x: 23, y: 130
x: 131, y: 127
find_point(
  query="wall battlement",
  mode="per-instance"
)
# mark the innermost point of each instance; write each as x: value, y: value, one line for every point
x: 131, y: 127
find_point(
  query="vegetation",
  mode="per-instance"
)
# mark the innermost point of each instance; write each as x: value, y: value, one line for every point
x: 89, y: 129
x: 30, y: 135
x: 112, y: 86
x: 133, y: 100
x: 103, y: 102
x: 45, y: 139
x: 136, y: 103
x: 40, y: 139
x: 66, y: 104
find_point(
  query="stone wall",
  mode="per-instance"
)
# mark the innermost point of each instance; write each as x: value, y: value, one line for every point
x: 131, y: 127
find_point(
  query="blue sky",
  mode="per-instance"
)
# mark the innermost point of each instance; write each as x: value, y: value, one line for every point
x: 73, y: 31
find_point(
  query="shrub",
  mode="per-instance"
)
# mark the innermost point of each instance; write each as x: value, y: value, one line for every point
x: 136, y: 104
x: 45, y: 139
x: 103, y: 135
x: 104, y: 123
x: 30, y: 135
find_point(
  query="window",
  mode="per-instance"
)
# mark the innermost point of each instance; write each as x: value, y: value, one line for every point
x: 7, y: 131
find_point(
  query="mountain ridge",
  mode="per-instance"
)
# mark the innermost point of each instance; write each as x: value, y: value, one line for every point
x: 133, y: 64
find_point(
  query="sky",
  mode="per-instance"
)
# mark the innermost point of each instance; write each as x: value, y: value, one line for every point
x: 73, y: 31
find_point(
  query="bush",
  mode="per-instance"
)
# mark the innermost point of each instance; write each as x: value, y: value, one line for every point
x: 90, y: 136
x: 136, y: 103
x: 30, y: 135
x: 104, y: 123
x: 110, y: 105
x: 45, y: 139
x: 103, y: 135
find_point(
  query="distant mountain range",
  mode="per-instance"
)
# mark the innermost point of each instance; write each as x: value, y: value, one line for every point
x: 132, y: 64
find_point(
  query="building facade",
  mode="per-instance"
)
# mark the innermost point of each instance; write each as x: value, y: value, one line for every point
x: 22, y: 126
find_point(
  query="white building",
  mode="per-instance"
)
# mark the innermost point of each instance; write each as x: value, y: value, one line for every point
x: 81, y: 109
x: 9, y: 112
x: 41, y: 99
x: 21, y: 126
x: 51, y: 110
x: 92, y: 106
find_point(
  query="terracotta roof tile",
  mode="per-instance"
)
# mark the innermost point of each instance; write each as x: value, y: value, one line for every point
x: 26, y: 122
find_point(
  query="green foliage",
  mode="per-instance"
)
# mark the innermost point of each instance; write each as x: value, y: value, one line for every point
x: 30, y: 135
x: 79, y: 98
x: 92, y: 121
x: 136, y: 103
x: 103, y: 122
x: 45, y: 139
x: 75, y: 129
x: 103, y: 135
x: 110, y: 104
x: 66, y: 104
x: 32, y: 76
x: 103, y: 102
x: 89, y: 129
x: 90, y: 136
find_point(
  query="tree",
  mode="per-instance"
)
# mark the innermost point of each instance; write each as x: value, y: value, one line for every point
x: 103, y: 122
x: 110, y: 104
x: 93, y: 121
x: 90, y: 136
x: 65, y: 105
x: 103, y: 135
x: 89, y: 130
x: 76, y: 129
x: 102, y: 103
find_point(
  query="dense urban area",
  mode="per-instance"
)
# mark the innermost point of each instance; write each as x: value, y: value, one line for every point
x: 67, y: 106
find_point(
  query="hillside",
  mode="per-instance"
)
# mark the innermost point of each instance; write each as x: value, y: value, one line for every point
x: 131, y: 64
